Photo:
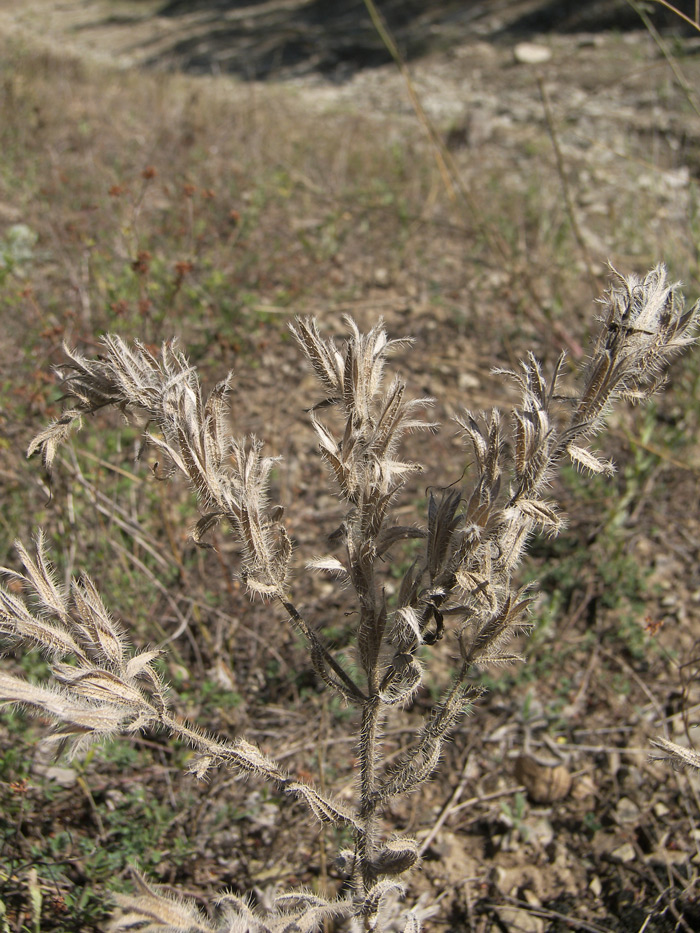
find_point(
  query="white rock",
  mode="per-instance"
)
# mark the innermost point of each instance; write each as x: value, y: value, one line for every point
x: 529, y: 53
x: 66, y: 777
x: 624, y: 853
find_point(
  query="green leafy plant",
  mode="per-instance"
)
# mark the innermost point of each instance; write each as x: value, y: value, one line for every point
x: 462, y: 582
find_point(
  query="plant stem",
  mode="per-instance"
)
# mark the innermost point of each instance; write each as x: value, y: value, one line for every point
x: 366, y: 836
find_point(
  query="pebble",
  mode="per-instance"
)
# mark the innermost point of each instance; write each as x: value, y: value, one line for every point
x: 468, y: 381
x: 530, y: 53
x: 624, y: 853
x: 65, y: 777
x: 514, y: 918
x: 627, y: 811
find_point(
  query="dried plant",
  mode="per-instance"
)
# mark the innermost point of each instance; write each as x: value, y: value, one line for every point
x: 462, y: 583
x: 679, y: 756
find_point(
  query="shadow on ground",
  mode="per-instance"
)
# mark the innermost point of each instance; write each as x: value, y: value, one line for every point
x: 256, y: 40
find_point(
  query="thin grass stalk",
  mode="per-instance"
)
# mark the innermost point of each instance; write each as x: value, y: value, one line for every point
x: 453, y: 180
x: 672, y: 63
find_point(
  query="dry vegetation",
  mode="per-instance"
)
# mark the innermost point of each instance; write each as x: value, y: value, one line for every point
x: 152, y: 205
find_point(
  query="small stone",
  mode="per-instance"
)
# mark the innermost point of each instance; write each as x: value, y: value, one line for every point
x: 514, y: 918
x: 530, y: 53
x: 627, y: 812
x: 467, y: 381
x: 590, y: 40
x: 595, y: 886
x: 65, y: 777
x: 624, y: 853
x: 381, y: 278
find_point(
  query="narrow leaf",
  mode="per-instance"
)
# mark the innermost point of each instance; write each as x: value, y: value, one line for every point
x: 540, y: 512
x: 325, y: 809
x: 583, y: 458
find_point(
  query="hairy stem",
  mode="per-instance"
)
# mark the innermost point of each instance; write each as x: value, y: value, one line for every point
x: 366, y: 835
